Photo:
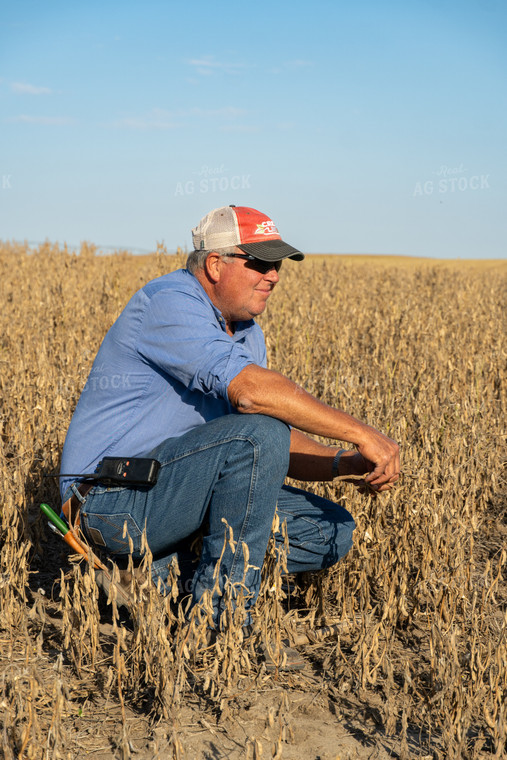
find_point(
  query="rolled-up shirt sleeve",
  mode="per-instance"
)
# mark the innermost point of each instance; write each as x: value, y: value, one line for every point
x: 182, y: 335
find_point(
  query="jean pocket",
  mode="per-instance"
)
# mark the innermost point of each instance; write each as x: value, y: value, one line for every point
x: 113, y: 531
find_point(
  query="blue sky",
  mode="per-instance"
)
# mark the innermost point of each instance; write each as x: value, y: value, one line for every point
x: 360, y: 127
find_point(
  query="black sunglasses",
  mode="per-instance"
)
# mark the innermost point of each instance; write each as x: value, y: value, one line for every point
x: 258, y: 264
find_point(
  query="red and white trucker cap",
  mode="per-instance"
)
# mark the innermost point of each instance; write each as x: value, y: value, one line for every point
x: 246, y: 228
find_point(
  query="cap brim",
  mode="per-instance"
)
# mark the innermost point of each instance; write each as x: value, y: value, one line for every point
x: 272, y: 250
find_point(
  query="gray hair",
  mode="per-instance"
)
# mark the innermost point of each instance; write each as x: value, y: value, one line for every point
x: 197, y: 259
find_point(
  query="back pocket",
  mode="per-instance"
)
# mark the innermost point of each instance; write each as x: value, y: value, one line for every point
x: 113, y: 531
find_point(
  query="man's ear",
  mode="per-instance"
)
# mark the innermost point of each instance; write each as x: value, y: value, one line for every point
x: 212, y: 266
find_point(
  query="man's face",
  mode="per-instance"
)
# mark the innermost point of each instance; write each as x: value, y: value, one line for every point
x: 241, y: 290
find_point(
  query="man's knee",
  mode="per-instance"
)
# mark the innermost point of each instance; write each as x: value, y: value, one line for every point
x: 340, y: 541
x: 270, y: 428
x: 260, y: 429
x: 320, y: 531
x: 272, y: 436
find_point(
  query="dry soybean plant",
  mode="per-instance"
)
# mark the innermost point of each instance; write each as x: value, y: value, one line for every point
x: 418, y: 607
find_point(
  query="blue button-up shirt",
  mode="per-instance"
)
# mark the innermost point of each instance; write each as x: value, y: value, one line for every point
x: 163, y: 368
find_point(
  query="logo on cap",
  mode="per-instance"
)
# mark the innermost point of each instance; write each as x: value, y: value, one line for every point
x: 266, y: 228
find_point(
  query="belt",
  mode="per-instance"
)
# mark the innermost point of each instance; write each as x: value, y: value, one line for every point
x: 71, y: 508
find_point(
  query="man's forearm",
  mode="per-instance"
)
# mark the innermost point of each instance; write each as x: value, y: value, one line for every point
x: 310, y: 459
x: 256, y: 390
x: 313, y: 460
x: 261, y: 391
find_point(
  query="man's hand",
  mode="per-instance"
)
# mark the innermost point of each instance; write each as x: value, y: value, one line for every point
x: 256, y: 390
x: 378, y: 456
x: 313, y: 461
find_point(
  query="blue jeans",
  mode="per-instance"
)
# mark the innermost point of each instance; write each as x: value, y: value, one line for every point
x: 231, y: 468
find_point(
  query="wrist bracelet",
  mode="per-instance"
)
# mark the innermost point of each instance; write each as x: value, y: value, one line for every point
x: 336, y: 462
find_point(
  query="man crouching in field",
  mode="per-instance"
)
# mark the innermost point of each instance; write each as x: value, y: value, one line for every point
x: 194, y: 393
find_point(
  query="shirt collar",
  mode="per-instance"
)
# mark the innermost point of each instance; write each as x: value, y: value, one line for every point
x: 240, y: 326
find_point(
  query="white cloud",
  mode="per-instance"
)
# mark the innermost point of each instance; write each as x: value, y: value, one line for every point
x: 157, y: 118
x: 295, y: 65
x: 227, y: 112
x: 239, y: 128
x: 22, y: 88
x: 298, y: 64
x: 160, y: 118
x: 207, y: 65
x: 145, y: 123
x: 47, y: 120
